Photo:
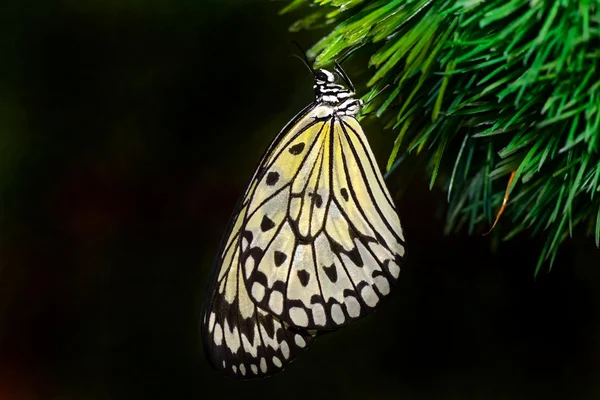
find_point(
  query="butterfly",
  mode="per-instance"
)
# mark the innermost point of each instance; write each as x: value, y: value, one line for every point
x: 315, y: 242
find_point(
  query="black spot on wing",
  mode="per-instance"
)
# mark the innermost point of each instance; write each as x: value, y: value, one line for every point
x: 344, y: 192
x: 377, y: 273
x: 248, y: 236
x: 361, y: 285
x: 281, y: 336
x: 279, y: 286
x: 331, y: 273
x: 279, y: 258
x: 269, y: 326
x: 272, y: 178
x: 297, y: 149
x: 260, y: 277
x: 316, y: 299
x: 256, y: 253
x: 304, y: 277
x: 353, y: 255
x: 266, y: 224
x: 317, y: 199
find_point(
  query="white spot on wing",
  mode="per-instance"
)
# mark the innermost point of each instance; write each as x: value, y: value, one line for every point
x: 394, y: 269
x: 318, y: 313
x: 299, y: 341
x: 243, y: 369
x: 211, y: 322
x: 352, y: 306
x: 258, y: 291
x: 298, y: 316
x: 254, y: 369
x: 276, y: 302
x: 285, y: 349
x: 277, y: 362
x: 383, y: 285
x: 337, y: 314
x: 249, y: 266
x: 263, y: 365
x: 369, y: 296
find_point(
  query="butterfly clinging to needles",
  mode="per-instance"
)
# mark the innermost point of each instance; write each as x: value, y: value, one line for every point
x: 314, y: 244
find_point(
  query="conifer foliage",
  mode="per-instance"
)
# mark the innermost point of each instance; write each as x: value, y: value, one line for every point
x: 495, y: 89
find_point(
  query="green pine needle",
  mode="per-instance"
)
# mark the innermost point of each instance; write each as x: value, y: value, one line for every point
x: 485, y: 88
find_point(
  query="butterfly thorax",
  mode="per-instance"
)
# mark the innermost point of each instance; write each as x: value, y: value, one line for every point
x: 329, y: 93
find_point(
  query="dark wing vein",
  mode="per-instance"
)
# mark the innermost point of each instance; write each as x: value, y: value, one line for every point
x: 369, y: 190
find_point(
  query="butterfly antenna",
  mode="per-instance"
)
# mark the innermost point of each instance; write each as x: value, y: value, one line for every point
x: 344, y: 57
x: 304, y: 58
x: 338, y: 68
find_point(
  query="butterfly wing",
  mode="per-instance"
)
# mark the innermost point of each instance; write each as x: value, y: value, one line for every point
x: 239, y: 338
x: 322, y: 241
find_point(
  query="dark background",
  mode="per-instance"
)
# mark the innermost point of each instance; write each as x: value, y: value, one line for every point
x: 127, y: 132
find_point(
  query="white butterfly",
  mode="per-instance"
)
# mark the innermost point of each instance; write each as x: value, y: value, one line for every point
x: 315, y: 244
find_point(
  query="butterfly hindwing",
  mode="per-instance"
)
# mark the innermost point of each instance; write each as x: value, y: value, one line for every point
x: 239, y: 338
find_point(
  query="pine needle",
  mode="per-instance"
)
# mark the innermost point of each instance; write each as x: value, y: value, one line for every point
x: 519, y: 78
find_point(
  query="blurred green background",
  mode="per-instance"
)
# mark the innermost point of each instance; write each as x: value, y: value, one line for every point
x: 129, y: 129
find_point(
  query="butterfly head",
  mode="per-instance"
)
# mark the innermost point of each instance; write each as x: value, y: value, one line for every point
x: 328, y: 92
x: 323, y: 77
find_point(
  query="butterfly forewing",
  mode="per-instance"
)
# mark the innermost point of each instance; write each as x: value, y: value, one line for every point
x: 327, y: 245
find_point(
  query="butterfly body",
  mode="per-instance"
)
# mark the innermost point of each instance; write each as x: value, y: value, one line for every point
x: 315, y: 244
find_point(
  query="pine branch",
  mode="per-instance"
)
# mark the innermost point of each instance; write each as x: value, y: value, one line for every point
x: 486, y: 88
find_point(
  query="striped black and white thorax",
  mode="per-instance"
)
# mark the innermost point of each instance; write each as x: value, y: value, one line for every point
x: 329, y: 93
